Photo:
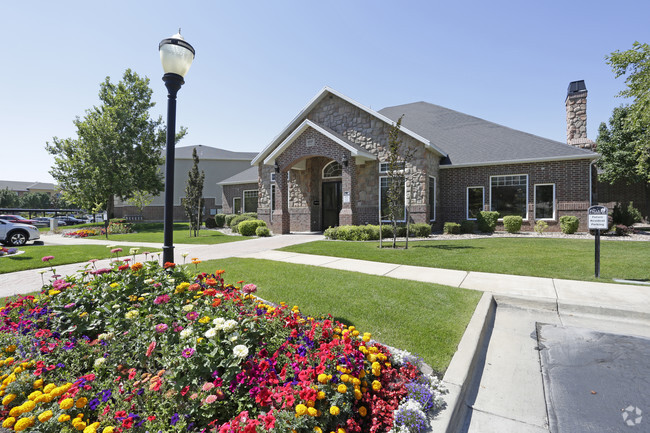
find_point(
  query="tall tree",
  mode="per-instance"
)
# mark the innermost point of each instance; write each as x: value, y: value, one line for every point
x: 8, y: 198
x: 140, y: 200
x: 635, y: 65
x: 193, y: 202
x: 118, y: 149
x: 616, y: 144
x: 35, y: 200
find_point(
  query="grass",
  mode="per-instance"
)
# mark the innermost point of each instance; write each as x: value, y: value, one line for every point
x: 63, y: 254
x: 427, y: 319
x: 153, y: 232
x: 544, y: 257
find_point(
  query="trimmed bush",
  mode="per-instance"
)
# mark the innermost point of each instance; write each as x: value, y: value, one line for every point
x: 512, y: 223
x: 626, y: 216
x: 420, y: 230
x: 451, y: 229
x: 467, y: 226
x: 248, y: 227
x: 262, y: 232
x: 540, y: 226
x: 239, y: 218
x: 220, y: 219
x: 210, y: 223
x: 569, y: 224
x: 228, y: 218
x: 487, y: 221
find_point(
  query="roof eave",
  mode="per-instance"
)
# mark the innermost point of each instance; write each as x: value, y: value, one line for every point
x: 521, y: 161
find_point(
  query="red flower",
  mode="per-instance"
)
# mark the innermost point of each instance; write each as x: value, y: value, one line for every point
x: 169, y: 265
x: 127, y: 423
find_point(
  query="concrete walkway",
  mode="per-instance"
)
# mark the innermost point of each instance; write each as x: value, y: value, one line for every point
x: 495, y: 378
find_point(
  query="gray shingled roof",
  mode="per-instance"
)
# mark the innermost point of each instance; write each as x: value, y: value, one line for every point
x: 247, y: 176
x: 207, y: 152
x: 15, y: 185
x: 470, y: 140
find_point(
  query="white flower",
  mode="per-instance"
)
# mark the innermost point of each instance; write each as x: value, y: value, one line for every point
x: 234, y: 338
x: 218, y: 323
x: 229, y: 325
x: 185, y: 254
x: 187, y: 332
x: 107, y: 336
x: 240, y: 351
x: 132, y: 314
x: 188, y: 307
x: 134, y: 251
x: 211, y: 333
x: 149, y: 281
x: 99, y: 361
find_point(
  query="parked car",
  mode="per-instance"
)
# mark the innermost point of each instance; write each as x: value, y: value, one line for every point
x: 42, y: 221
x: 17, y: 219
x: 70, y: 220
x: 17, y: 234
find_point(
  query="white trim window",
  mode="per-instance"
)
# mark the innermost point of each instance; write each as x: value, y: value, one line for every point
x: 333, y: 170
x: 475, y: 199
x: 544, y: 201
x: 383, y: 199
x: 236, y: 205
x: 250, y: 200
x: 383, y: 166
x: 432, y: 198
x: 509, y: 195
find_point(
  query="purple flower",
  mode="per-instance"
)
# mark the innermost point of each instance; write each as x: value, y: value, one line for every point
x: 174, y: 419
x: 161, y: 327
x: 192, y: 315
x: 188, y: 352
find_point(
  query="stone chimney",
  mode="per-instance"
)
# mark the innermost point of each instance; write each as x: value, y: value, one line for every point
x: 576, y: 116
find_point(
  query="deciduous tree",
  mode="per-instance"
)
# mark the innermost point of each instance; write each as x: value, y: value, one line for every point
x: 8, y: 198
x: 118, y: 148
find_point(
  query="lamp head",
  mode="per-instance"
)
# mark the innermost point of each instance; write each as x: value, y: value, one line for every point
x: 176, y: 55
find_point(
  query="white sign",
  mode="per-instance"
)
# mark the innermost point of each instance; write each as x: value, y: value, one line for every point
x: 346, y: 197
x: 597, y: 218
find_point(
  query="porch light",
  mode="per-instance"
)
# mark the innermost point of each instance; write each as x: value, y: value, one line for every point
x: 344, y: 161
x: 277, y: 167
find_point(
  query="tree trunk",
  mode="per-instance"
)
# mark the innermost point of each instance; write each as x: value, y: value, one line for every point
x: 110, y: 206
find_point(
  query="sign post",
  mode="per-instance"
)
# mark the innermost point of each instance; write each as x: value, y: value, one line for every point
x: 105, y: 217
x: 597, y: 220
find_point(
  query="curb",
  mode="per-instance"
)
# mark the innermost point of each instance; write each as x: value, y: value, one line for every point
x: 460, y: 373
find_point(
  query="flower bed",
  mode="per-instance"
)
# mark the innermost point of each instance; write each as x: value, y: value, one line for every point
x: 84, y: 233
x: 144, y: 348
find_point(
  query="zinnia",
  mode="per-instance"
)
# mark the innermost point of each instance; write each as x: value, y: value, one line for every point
x: 240, y: 351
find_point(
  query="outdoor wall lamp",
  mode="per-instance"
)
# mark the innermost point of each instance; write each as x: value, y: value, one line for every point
x: 344, y: 161
x: 277, y: 167
x: 176, y: 57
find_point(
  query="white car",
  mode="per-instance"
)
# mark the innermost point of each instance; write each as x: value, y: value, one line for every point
x: 16, y: 234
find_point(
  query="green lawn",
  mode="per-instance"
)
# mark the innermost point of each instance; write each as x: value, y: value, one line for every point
x: 427, y: 319
x: 63, y: 254
x: 153, y: 232
x: 542, y: 257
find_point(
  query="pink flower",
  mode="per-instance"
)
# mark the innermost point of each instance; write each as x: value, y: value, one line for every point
x: 47, y: 258
x: 161, y: 327
x: 151, y: 348
x: 188, y: 352
x: 211, y: 399
x: 162, y: 299
x: 116, y: 250
x: 192, y: 315
x: 249, y: 288
x: 207, y: 386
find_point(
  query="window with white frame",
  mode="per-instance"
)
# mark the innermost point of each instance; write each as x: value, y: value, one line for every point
x: 384, y: 182
x: 236, y: 205
x: 545, y: 201
x: 475, y: 201
x: 509, y: 195
x: 250, y: 200
x: 383, y: 166
x: 332, y: 170
x: 432, y: 198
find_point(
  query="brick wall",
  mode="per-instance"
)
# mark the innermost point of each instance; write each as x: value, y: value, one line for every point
x: 231, y: 191
x: 620, y: 192
x: 571, y: 179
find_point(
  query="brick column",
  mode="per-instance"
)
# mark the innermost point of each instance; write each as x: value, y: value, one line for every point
x: 281, y: 220
x: 347, y: 215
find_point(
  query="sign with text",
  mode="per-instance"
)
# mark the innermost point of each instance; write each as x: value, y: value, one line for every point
x: 597, y: 218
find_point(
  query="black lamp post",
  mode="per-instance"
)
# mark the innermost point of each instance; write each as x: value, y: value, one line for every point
x: 176, y: 56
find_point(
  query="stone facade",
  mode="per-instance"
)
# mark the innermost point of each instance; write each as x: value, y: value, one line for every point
x: 576, y: 120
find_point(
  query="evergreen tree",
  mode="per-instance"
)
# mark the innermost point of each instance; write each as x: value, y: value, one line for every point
x: 193, y: 202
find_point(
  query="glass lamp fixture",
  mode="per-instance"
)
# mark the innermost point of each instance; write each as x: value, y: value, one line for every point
x: 176, y: 55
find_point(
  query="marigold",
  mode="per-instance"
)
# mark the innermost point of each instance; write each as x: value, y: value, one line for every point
x: 311, y: 411
x: 8, y: 399
x: 363, y: 411
x: 376, y: 385
x: 334, y: 410
x: 28, y: 406
x: 301, y: 409
x: 23, y: 423
x: 66, y: 404
x: 64, y: 417
x: 342, y: 388
x: 33, y: 395
x: 9, y: 422
x: 45, y: 416
x: 109, y: 429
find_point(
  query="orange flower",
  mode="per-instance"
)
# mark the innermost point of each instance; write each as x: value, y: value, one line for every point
x: 219, y: 272
x: 136, y: 266
x: 211, y: 282
x: 216, y: 302
x: 209, y: 292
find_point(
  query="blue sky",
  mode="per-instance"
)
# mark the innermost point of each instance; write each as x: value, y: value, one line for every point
x: 258, y: 63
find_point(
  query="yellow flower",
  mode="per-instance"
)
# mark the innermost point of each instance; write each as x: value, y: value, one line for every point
x: 342, y: 388
x: 322, y: 378
x: 64, y: 417
x: 114, y: 285
x: 301, y: 409
x: 204, y: 319
x: 340, y: 430
x: 376, y: 368
x: 15, y: 411
x: 357, y: 394
x: 345, y: 378
x: 9, y: 349
x: 33, y: 395
x: 23, y: 423
x: 90, y: 429
x: 49, y: 387
x: 66, y: 404
x: 376, y: 385
x: 312, y: 411
x: 80, y: 425
x: 334, y: 410
x: 45, y: 416
x: 8, y: 399
x: 28, y: 406
x: 320, y: 395
x: 53, y: 292
x: 318, y: 430
x: 38, y: 383
x: 109, y: 429
x: 9, y: 422
x: 81, y: 402
x: 363, y: 411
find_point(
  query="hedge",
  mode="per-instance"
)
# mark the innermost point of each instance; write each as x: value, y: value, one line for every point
x: 248, y: 227
x: 569, y: 224
x: 451, y: 228
x: 487, y: 221
x: 512, y: 223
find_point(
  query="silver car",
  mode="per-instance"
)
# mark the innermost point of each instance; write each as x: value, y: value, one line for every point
x: 16, y: 234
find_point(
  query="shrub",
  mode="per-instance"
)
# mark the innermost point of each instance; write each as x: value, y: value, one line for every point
x: 248, y: 227
x: 626, y: 215
x: 512, y: 223
x: 262, y: 231
x: 119, y: 226
x: 467, y: 226
x: 451, y: 229
x: 540, y: 226
x: 420, y: 230
x: 229, y: 218
x: 210, y: 223
x: 623, y: 230
x: 569, y: 224
x: 487, y: 221
x: 220, y: 219
x: 239, y: 218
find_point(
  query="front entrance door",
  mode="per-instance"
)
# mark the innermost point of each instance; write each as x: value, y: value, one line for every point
x: 332, y: 200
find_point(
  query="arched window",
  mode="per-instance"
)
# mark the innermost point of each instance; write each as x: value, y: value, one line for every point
x: 333, y: 169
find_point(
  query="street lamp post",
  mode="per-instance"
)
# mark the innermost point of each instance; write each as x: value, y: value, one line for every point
x: 176, y: 56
